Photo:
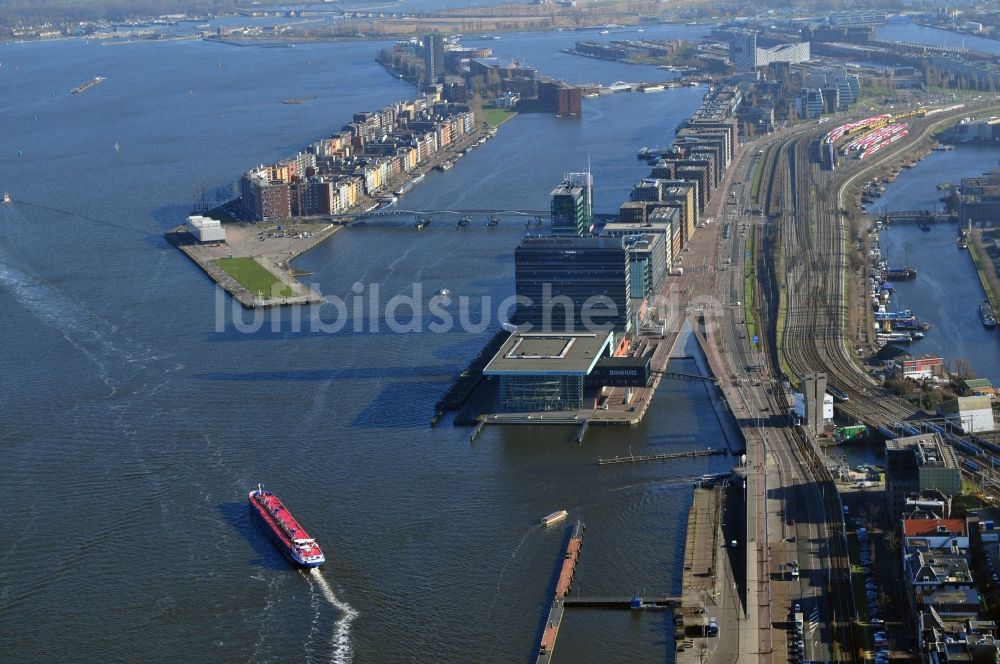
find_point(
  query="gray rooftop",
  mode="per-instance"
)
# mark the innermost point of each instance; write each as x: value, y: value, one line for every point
x: 928, y: 448
x: 555, y: 354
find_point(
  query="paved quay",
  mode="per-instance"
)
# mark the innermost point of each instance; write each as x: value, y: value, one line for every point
x: 703, y: 576
x: 271, y: 249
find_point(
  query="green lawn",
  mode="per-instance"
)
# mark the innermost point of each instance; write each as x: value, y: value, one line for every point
x: 979, y: 260
x: 497, y: 116
x: 254, y: 277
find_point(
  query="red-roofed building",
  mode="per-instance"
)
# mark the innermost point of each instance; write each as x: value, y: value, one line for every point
x: 941, y: 536
x: 923, y: 527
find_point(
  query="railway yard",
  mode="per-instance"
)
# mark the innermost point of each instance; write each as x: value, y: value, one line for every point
x: 800, y: 305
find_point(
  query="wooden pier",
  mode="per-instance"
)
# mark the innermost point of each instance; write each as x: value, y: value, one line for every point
x: 554, y: 619
x: 634, y: 458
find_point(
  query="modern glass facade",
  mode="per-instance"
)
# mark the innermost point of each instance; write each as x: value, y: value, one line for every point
x: 575, y: 284
x: 572, y: 206
x: 541, y: 393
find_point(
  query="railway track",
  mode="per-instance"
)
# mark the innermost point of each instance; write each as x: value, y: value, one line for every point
x: 802, y: 290
x: 807, y: 251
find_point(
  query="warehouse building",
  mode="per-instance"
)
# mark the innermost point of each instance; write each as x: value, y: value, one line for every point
x: 971, y: 414
x: 206, y: 229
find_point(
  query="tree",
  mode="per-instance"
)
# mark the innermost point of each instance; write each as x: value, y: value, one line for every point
x: 477, y: 85
x: 963, y: 369
x: 476, y: 106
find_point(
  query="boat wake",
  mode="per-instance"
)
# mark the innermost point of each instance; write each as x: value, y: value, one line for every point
x: 503, y: 570
x: 341, y: 640
x: 98, y: 339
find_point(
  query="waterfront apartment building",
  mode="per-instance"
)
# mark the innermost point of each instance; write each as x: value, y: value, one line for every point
x: 700, y: 171
x: 699, y: 176
x: 918, y: 463
x: 655, y: 192
x: 669, y: 218
x: 572, y: 284
x: 433, y: 57
x: 364, y: 158
x: 743, y: 50
x: 264, y: 199
x: 560, y: 98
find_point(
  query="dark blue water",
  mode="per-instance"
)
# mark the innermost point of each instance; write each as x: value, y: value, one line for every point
x: 947, y: 290
x: 132, y: 427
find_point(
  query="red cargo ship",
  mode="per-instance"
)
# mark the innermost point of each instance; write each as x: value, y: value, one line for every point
x: 283, y: 528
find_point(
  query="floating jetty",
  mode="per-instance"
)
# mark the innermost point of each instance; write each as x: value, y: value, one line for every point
x: 636, y: 458
x: 566, y: 572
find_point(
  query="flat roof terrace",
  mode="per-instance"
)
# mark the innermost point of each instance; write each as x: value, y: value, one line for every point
x: 549, y: 354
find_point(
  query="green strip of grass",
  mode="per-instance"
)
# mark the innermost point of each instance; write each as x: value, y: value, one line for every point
x: 977, y: 260
x: 497, y: 116
x: 251, y: 275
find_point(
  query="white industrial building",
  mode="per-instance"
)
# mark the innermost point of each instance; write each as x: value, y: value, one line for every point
x: 972, y: 414
x: 800, y: 407
x: 206, y: 229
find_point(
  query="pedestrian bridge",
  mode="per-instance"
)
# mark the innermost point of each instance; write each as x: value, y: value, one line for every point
x: 538, y: 216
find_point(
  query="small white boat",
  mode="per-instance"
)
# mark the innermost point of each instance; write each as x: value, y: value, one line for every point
x: 444, y: 292
x: 554, y: 517
x: 6, y: 197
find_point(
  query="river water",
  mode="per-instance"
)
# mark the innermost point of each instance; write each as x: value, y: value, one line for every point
x: 947, y: 290
x: 135, y: 420
x: 922, y: 34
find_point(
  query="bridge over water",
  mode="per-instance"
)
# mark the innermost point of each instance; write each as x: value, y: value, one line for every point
x: 917, y: 217
x: 488, y: 213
